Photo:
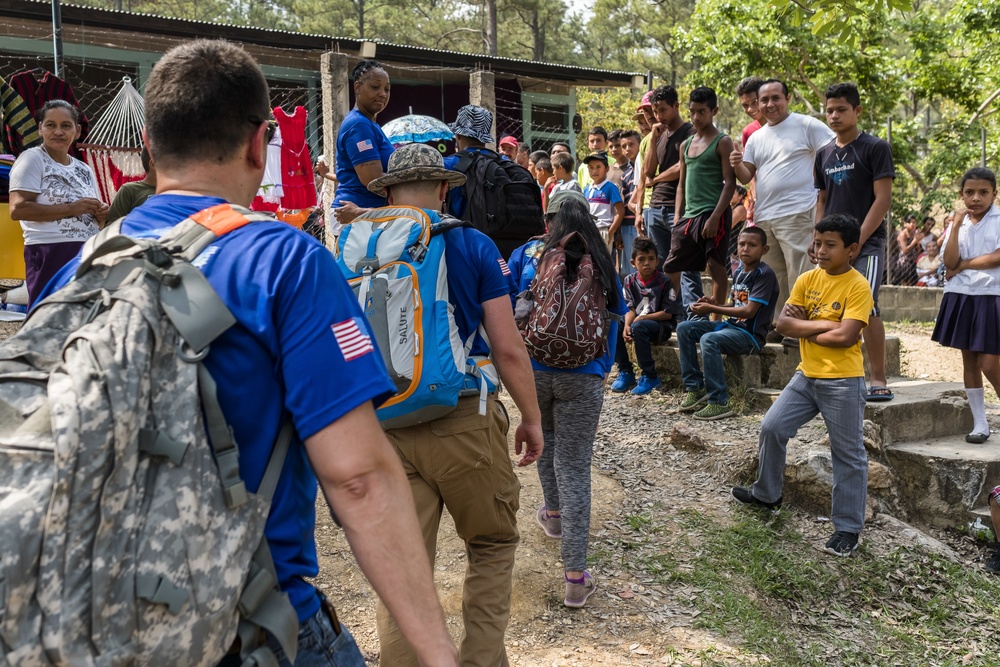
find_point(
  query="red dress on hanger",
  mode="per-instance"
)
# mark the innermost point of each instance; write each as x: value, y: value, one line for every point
x: 296, y: 163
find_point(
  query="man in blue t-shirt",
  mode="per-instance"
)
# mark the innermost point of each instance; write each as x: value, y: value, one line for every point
x: 286, y: 357
x: 461, y: 461
x: 472, y: 128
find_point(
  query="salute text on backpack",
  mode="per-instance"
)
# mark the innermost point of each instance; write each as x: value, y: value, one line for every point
x: 394, y: 259
x: 565, y: 322
x: 127, y: 535
x: 502, y: 200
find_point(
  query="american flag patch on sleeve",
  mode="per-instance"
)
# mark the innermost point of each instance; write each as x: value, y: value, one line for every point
x: 352, y: 338
x: 365, y: 145
x: 503, y: 267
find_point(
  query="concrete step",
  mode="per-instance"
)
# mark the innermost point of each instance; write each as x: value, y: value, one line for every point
x: 921, y: 409
x: 772, y: 368
x: 941, y: 481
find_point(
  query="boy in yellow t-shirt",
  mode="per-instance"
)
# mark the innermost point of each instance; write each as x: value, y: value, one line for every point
x: 827, y: 309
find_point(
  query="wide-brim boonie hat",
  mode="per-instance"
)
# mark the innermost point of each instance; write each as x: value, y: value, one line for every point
x: 564, y: 197
x: 474, y: 122
x: 415, y: 162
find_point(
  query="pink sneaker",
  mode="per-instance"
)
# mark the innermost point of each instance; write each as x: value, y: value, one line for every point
x: 551, y: 524
x: 578, y: 591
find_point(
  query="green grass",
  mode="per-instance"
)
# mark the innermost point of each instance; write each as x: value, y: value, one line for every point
x: 638, y: 522
x: 761, y: 585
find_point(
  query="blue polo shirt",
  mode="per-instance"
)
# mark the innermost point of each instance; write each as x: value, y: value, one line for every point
x: 359, y: 140
x: 524, y: 265
x: 286, y: 355
x: 603, y: 197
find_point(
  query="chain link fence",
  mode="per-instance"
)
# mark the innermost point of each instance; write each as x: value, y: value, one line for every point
x: 915, y: 253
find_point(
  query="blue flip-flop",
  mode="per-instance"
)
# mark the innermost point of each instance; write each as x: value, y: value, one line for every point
x: 879, y: 394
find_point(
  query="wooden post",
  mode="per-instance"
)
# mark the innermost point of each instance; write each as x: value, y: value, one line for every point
x: 334, y: 79
x: 482, y: 93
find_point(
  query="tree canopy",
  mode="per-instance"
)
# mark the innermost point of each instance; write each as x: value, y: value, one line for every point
x: 930, y: 67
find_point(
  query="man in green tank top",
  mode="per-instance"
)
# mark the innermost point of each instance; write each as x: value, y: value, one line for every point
x: 703, y: 194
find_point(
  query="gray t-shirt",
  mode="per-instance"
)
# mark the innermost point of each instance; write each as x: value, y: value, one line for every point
x: 54, y: 183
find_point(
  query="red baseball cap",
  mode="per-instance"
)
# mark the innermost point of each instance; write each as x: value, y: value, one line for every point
x: 646, y: 103
x: 508, y: 141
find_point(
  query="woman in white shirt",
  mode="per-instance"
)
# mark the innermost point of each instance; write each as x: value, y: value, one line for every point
x: 54, y: 196
x: 969, y: 318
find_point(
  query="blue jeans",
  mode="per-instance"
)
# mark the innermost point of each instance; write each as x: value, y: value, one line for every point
x: 728, y: 340
x: 644, y: 334
x: 659, y: 223
x: 629, y: 235
x: 319, y: 646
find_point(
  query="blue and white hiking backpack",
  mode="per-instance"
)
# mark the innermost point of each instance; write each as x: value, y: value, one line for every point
x: 394, y: 259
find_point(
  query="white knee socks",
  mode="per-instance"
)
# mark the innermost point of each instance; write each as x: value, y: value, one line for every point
x: 977, y: 403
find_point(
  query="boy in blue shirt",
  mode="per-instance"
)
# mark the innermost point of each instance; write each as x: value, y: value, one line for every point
x: 605, y: 199
x: 749, y: 312
x: 652, y: 311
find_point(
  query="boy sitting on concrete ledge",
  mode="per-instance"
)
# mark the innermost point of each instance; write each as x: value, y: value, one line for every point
x: 752, y: 302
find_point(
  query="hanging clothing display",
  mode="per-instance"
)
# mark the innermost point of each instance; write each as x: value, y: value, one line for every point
x: 299, y: 188
x: 271, y: 189
x: 18, y: 120
x: 36, y: 92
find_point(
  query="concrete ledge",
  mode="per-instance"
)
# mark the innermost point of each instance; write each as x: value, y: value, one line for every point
x: 918, y: 304
x: 921, y: 409
x: 943, y: 480
x: 772, y: 368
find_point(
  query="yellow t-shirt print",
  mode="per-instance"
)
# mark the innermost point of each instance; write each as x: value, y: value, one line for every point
x: 834, y: 298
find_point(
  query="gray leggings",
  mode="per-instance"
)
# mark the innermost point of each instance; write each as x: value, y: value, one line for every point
x: 571, y: 408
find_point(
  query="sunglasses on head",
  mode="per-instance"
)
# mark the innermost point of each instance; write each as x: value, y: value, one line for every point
x: 272, y: 126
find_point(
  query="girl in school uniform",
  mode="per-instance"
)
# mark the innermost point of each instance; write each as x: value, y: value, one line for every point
x: 969, y: 318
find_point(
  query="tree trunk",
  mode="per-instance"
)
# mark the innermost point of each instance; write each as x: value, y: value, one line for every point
x: 491, y: 26
x: 538, y: 37
x: 361, y: 18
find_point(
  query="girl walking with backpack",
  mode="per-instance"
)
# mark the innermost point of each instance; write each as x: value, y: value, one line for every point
x: 569, y: 377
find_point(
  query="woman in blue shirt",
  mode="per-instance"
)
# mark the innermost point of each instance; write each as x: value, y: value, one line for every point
x: 570, y: 400
x: 363, y: 150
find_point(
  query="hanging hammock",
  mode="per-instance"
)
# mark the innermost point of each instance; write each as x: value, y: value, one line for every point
x: 115, y: 141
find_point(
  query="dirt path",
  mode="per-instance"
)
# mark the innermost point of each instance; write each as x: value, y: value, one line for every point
x: 642, y: 489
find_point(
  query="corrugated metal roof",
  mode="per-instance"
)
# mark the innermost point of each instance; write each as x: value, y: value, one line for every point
x: 152, y: 23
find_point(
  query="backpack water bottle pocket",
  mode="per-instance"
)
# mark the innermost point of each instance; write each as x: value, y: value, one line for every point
x: 391, y: 303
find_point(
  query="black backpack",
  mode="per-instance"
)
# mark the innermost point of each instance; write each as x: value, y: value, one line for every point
x: 502, y: 200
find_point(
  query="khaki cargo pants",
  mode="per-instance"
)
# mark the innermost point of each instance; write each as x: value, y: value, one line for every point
x: 462, y: 462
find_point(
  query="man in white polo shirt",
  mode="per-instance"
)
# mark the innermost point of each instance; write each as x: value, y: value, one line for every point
x: 781, y: 155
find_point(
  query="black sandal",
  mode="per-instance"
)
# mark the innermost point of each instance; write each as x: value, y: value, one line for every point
x: 879, y: 394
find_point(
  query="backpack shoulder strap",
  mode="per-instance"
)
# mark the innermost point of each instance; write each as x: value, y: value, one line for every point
x: 447, y: 223
x: 199, y: 231
x: 465, y: 160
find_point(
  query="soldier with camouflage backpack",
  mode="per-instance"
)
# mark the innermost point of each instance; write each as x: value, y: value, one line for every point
x: 139, y: 443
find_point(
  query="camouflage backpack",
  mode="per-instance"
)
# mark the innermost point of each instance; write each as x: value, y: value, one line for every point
x: 128, y: 537
x: 564, y: 319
